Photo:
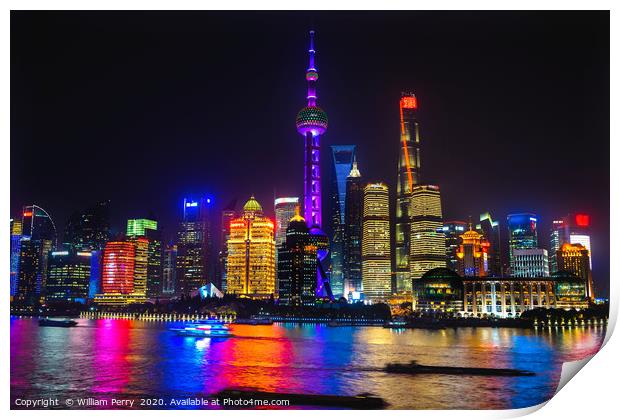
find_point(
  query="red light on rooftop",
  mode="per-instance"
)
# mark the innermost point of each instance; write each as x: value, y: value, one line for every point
x: 582, y: 220
x: 409, y: 102
x: 27, y: 214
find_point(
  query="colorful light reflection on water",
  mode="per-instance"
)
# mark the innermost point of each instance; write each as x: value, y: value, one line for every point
x: 120, y: 358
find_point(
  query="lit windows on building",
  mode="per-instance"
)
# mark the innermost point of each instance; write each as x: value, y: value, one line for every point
x: 530, y: 263
x: 408, y: 177
x: 575, y: 259
x: 68, y: 276
x: 522, y: 234
x: 472, y: 255
x: 376, y: 247
x: 251, y: 267
x: 428, y: 244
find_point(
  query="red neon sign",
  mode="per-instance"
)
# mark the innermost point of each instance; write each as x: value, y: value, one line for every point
x: 582, y: 220
x: 27, y: 213
x: 409, y: 102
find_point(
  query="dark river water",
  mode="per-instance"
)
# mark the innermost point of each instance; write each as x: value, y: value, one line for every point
x: 126, y: 358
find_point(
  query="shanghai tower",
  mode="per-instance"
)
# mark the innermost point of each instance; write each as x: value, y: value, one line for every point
x: 408, y: 177
x: 311, y: 123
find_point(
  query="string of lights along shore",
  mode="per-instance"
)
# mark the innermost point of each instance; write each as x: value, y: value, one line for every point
x: 375, y: 251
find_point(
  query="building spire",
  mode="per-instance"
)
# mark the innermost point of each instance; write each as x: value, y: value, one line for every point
x: 355, y: 173
x: 312, y: 75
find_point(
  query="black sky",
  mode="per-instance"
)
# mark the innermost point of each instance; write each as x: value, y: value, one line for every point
x: 143, y: 108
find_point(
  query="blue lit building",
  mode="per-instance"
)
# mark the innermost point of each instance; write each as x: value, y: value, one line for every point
x: 195, y: 267
x: 16, y: 237
x: 343, y: 157
x: 94, y: 286
x: 522, y: 234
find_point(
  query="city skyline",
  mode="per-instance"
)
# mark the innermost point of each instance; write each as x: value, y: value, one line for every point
x: 459, y: 199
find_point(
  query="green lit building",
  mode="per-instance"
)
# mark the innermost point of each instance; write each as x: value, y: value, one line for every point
x: 147, y: 229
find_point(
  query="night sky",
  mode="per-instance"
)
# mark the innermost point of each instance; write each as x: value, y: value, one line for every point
x: 144, y: 108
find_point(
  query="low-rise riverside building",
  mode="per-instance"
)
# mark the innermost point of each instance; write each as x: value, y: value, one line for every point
x: 443, y: 290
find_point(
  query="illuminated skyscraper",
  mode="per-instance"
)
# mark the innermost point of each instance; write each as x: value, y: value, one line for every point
x: 228, y: 214
x: 573, y: 229
x: 453, y: 230
x: 343, y: 157
x: 285, y: 210
x: 250, y: 269
x: 169, y: 277
x: 522, y: 234
x: 376, y: 243
x: 297, y: 265
x: 575, y: 259
x: 428, y: 243
x: 408, y: 177
x: 194, y: 264
x: 491, y: 230
x: 146, y: 229
x: 68, y: 276
x: 530, y: 262
x: 16, y: 240
x: 311, y: 123
x: 124, y: 272
x: 472, y: 254
x: 38, y: 239
x: 88, y: 230
x: 353, y: 217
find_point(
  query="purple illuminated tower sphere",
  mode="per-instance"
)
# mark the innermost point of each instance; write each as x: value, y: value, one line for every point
x: 311, y: 123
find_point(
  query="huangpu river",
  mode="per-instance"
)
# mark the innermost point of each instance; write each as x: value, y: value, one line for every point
x: 131, y: 359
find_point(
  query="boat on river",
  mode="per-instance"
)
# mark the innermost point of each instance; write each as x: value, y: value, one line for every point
x: 57, y: 322
x: 415, y: 368
x: 206, y: 328
x: 254, y: 321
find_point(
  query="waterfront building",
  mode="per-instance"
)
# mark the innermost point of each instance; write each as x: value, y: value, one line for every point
x: 285, y: 208
x: 146, y: 229
x: 522, y: 234
x: 96, y: 263
x: 169, y: 271
x: 352, y: 247
x: 88, y: 230
x: 472, y: 254
x: 124, y: 271
x: 343, y: 157
x: 194, y: 244
x: 297, y: 265
x: 16, y: 240
x: 492, y: 234
x: 250, y: 266
x: 69, y: 274
x: 572, y: 229
x: 575, y: 259
x: 532, y: 262
x: 428, y: 243
x: 228, y: 214
x: 311, y: 123
x: 408, y: 177
x: 443, y: 290
x: 376, y: 243
x: 453, y: 230
x: 38, y: 239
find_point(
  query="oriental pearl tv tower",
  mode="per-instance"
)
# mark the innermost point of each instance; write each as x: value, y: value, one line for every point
x: 311, y: 123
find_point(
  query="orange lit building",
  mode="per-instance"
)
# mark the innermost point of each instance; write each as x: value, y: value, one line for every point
x: 251, y: 264
x: 472, y: 254
x: 575, y: 259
